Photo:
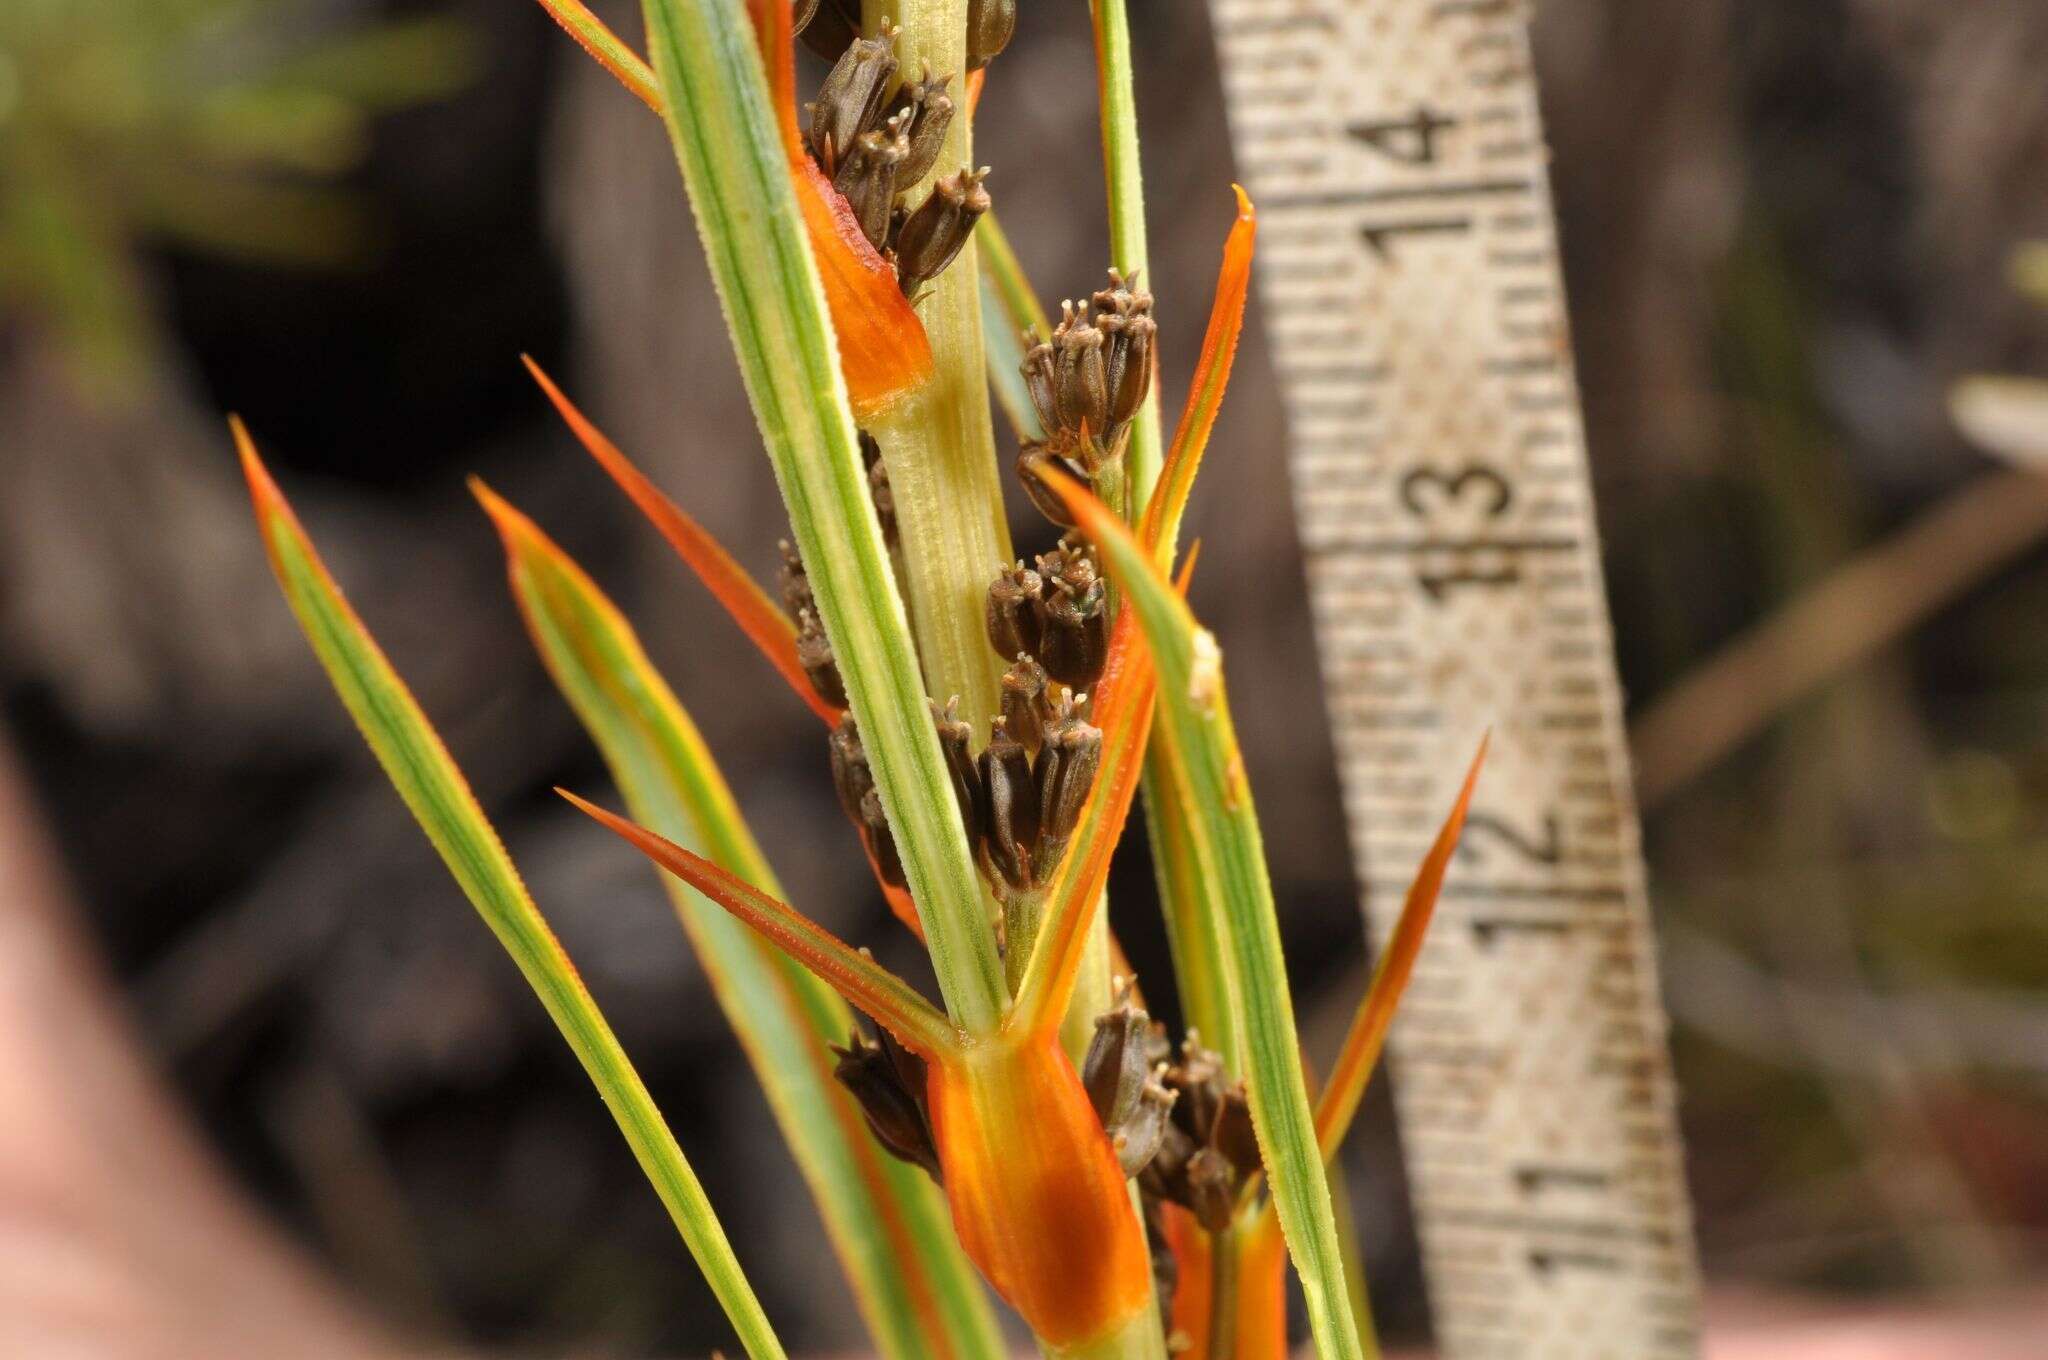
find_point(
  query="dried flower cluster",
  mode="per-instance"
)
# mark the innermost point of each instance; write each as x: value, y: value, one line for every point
x: 1086, y: 384
x: 876, y: 138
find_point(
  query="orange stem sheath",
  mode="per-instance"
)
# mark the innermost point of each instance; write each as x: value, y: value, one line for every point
x: 1037, y: 1197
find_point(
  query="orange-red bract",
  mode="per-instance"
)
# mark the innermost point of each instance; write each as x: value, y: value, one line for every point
x: 1037, y: 1196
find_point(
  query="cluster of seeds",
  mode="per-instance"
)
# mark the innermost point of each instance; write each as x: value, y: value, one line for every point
x: 1052, y: 623
x: 1178, y: 1126
x: 876, y: 137
x: 1086, y: 384
x: 888, y: 1082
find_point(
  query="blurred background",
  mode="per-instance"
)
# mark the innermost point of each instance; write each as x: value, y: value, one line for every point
x: 1791, y: 232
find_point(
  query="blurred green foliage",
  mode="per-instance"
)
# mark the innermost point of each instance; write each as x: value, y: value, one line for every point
x: 218, y: 124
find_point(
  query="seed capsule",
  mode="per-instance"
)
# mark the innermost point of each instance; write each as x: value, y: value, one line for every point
x: 990, y: 23
x: 881, y: 841
x: 1124, y: 313
x: 851, y: 99
x: 1011, y: 611
x: 1065, y: 771
x: 1233, y: 1135
x: 1075, y: 646
x: 1030, y: 459
x: 1009, y: 826
x: 814, y: 654
x: 1138, y: 1140
x: 1082, y: 386
x: 938, y: 230
x: 954, y: 739
x: 931, y: 113
x: 1115, y: 1070
x: 1041, y: 380
x: 851, y: 776
x: 1072, y: 564
x: 893, y: 1109
x: 867, y: 177
x: 1199, y: 1079
x: 1027, y: 707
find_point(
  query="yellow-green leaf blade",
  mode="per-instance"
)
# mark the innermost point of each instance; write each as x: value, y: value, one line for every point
x: 426, y: 777
x: 1208, y: 772
x: 888, y: 1223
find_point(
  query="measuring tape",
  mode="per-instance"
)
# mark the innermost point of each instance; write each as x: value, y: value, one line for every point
x: 1410, y: 284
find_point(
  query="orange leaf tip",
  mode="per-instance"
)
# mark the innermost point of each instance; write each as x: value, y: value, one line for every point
x: 749, y: 606
x: 865, y: 984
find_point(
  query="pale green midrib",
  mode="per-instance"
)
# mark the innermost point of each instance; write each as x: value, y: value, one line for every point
x: 801, y: 406
x: 431, y: 788
x: 681, y: 795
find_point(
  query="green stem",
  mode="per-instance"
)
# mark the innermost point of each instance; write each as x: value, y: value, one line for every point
x: 940, y: 443
x: 1126, y: 213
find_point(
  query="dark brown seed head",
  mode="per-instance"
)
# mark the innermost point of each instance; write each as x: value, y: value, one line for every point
x: 1065, y: 771
x: 1030, y: 459
x: 1027, y: 703
x: 893, y: 1109
x: 1075, y: 643
x: 1009, y: 827
x: 931, y: 113
x: 939, y: 227
x: 814, y: 654
x: 989, y: 26
x: 867, y: 177
x: 851, y: 776
x: 830, y: 27
x: 1011, y: 611
x: 851, y: 99
x: 881, y: 842
x: 955, y: 737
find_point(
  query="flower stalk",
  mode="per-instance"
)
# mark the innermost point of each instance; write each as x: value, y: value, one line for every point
x: 940, y: 441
